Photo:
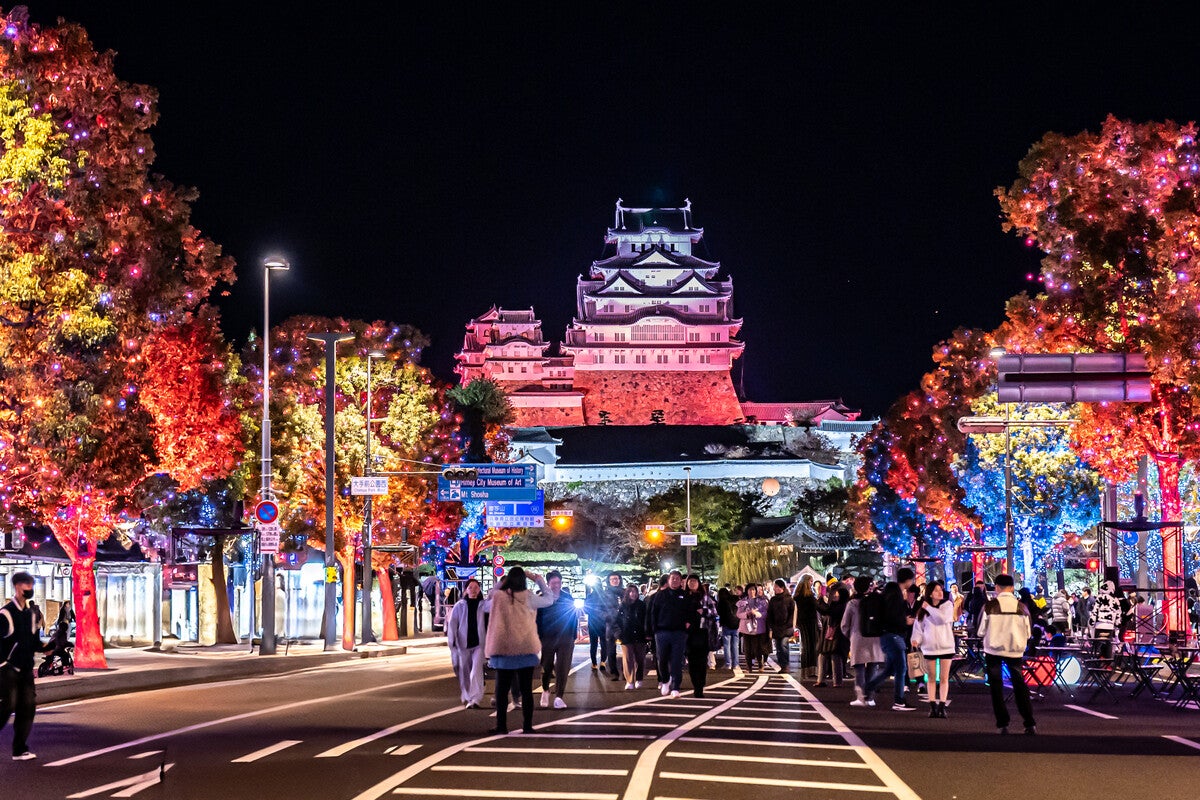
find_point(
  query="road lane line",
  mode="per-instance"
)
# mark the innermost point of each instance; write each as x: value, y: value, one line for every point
x: 146, y: 754
x: 137, y: 783
x: 590, y: 736
x: 402, y: 749
x: 762, y: 729
x: 591, y: 751
x: 651, y: 714
x: 779, y: 782
x: 643, y: 771
x: 798, y: 762
x: 765, y: 743
x: 760, y: 718
x: 869, y: 756
x: 1089, y: 711
x: 266, y: 751
x: 508, y: 794
x: 1184, y: 742
x: 573, y: 669
x: 490, y: 768
x: 622, y: 724
x: 342, y: 749
x: 235, y: 718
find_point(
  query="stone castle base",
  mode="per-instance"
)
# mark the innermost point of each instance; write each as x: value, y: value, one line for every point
x: 631, y: 397
x: 532, y: 417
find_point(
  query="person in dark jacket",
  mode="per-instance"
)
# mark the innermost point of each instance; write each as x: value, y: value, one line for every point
x: 661, y: 668
x: 727, y: 615
x: 897, y: 623
x: 834, y: 647
x: 975, y: 605
x: 781, y: 614
x: 592, y: 606
x: 558, y: 624
x: 806, y: 623
x: 20, y: 640
x: 701, y: 616
x: 610, y: 604
x: 669, y: 619
x: 631, y: 635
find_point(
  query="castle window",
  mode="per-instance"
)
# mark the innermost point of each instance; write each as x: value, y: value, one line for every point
x: 693, y: 336
x: 639, y: 358
x: 599, y: 337
x: 704, y: 358
x: 619, y: 358
x: 684, y: 358
x: 714, y: 337
x: 661, y: 359
x: 600, y: 358
x: 523, y: 370
x: 618, y: 337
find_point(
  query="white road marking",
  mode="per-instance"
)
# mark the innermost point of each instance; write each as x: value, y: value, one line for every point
x: 146, y: 754
x: 134, y: 784
x: 541, y: 735
x: 643, y: 771
x: 235, y: 718
x: 786, y: 784
x: 1089, y: 711
x: 402, y: 749
x: 509, y: 794
x: 1184, y: 742
x: 760, y: 718
x: 765, y: 743
x: 622, y: 724
x: 763, y: 729
x: 575, y: 668
x: 651, y: 714
x: 342, y: 749
x: 591, y: 751
x: 490, y: 768
x: 881, y: 769
x: 266, y: 751
x: 799, y: 762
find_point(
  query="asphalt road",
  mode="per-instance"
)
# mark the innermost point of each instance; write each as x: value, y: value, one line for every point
x: 392, y: 727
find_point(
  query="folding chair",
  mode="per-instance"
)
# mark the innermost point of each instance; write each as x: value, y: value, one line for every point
x: 1098, y: 673
x: 1143, y: 670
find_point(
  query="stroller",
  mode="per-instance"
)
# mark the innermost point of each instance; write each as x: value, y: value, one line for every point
x: 59, y: 658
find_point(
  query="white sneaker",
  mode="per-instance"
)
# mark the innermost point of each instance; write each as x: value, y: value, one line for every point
x: 558, y: 703
x: 664, y: 688
x: 628, y: 686
x: 26, y: 756
x: 858, y: 703
x: 545, y: 700
x: 871, y: 702
x: 674, y: 694
x: 637, y: 684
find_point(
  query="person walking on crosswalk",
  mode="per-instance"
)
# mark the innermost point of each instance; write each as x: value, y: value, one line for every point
x: 512, y: 645
x: 464, y: 637
x: 668, y: 619
x: 631, y: 635
x: 701, y: 632
x: 752, y: 611
x: 1004, y: 627
x: 558, y: 625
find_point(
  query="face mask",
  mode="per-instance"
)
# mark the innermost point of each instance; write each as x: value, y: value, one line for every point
x: 27, y: 594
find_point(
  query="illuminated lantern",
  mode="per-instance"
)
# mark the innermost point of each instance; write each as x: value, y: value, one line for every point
x: 770, y: 487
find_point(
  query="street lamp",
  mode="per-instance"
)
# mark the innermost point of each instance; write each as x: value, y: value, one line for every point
x: 996, y: 353
x: 329, y: 615
x: 368, y: 635
x: 687, y: 523
x: 266, y: 645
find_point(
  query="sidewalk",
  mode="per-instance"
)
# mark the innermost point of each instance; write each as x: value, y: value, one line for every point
x: 139, y: 669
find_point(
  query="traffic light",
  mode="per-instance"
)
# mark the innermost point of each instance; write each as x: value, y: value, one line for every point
x: 460, y: 473
x: 1093, y: 565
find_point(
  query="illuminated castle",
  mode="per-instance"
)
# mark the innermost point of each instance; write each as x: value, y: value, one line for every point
x: 653, y: 340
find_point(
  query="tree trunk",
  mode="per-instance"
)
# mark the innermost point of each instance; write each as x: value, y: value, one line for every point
x: 391, y: 631
x: 89, y: 644
x: 225, y: 632
x: 1174, y: 601
x: 348, y: 596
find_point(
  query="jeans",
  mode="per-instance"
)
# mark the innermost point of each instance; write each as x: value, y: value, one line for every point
x: 864, y: 677
x: 556, y: 659
x: 19, y: 699
x: 671, y: 646
x: 1020, y: 690
x: 781, y: 651
x: 730, y: 635
x: 895, y: 664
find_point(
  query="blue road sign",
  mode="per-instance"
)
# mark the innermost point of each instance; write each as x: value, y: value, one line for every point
x: 503, y: 514
x: 508, y: 482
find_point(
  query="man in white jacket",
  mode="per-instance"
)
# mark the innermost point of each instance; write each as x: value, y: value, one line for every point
x: 1004, y: 628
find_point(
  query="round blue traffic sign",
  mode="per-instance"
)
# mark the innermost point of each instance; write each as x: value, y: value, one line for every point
x: 498, y: 572
x: 266, y: 512
x: 1130, y: 538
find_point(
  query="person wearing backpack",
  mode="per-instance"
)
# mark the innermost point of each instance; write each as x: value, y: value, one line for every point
x: 859, y: 625
x: 895, y: 623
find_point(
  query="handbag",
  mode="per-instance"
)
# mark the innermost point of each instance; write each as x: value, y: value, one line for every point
x: 916, y: 665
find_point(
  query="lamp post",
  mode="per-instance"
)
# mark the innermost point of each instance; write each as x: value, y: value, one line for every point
x: 687, y: 522
x: 368, y: 634
x: 996, y: 353
x: 329, y: 615
x: 266, y: 645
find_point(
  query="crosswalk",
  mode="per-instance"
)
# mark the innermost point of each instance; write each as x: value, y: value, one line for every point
x: 760, y: 731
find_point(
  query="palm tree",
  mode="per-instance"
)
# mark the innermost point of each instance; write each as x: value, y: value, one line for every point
x: 481, y: 403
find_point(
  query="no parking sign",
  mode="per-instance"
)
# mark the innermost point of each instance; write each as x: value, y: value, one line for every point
x: 498, y: 572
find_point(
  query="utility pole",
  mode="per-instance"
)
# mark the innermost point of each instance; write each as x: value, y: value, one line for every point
x: 687, y: 524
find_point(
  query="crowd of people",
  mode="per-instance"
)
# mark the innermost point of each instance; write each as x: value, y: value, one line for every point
x: 854, y: 631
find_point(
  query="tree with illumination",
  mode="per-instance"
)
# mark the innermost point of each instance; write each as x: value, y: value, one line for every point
x: 717, y: 515
x: 98, y: 262
x: 1117, y: 214
x: 413, y: 434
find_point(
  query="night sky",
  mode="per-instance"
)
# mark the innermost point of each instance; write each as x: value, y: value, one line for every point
x: 420, y: 162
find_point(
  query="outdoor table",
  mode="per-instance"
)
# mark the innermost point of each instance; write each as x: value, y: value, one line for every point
x: 1179, y: 662
x: 1060, y: 654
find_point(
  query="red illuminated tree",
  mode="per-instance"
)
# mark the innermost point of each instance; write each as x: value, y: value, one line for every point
x: 98, y: 260
x: 1117, y: 214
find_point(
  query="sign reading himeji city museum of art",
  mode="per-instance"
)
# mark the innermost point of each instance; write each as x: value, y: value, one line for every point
x: 511, y: 482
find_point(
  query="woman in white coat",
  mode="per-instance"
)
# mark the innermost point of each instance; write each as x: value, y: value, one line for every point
x: 933, y: 633
x: 865, y: 651
x: 465, y: 636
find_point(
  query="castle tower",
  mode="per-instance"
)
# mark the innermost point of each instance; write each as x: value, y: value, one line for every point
x: 654, y: 336
x: 507, y: 347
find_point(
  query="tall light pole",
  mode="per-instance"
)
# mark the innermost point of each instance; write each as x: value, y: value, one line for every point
x: 687, y: 522
x: 266, y: 645
x: 329, y: 615
x: 368, y: 634
x: 996, y: 353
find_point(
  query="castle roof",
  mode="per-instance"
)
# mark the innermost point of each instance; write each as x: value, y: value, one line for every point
x: 694, y: 282
x: 656, y: 257
x: 629, y: 219
x: 658, y: 311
